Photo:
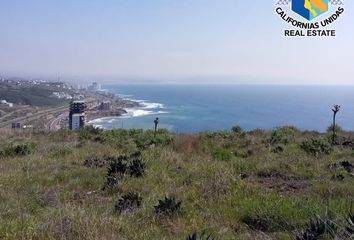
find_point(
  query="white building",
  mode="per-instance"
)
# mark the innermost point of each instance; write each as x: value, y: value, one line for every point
x: 78, y: 121
x: 94, y: 87
x: 4, y: 102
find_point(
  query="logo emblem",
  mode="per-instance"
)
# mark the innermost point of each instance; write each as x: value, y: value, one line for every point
x: 309, y: 9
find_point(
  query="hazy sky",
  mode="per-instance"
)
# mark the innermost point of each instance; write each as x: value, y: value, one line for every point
x: 169, y: 40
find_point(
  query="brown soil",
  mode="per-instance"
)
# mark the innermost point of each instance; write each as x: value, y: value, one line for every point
x: 279, y: 182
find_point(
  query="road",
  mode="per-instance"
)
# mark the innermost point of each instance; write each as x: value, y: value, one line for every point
x: 52, y: 124
x: 34, y: 116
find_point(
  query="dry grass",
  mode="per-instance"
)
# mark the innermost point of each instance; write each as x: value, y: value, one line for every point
x: 52, y: 194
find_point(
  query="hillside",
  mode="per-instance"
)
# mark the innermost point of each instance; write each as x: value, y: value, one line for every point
x: 281, y: 184
x: 26, y: 93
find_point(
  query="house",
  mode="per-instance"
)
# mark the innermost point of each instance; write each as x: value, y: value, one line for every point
x: 5, y: 103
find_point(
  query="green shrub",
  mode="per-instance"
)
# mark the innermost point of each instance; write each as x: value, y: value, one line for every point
x: 283, y: 135
x: 59, y: 151
x: 168, y: 207
x: 18, y: 150
x: 162, y: 138
x: 238, y: 131
x: 121, y: 137
x: 337, y: 129
x: 128, y: 202
x: 222, y: 154
x: 89, y: 133
x: 316, y: 146
x: 278, y: 149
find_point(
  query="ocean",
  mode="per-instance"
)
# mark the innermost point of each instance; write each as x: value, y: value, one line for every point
x: 195, y: 108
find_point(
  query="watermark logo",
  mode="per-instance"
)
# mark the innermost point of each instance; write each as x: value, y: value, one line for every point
x: 309, y: 9
x: 317, y: 16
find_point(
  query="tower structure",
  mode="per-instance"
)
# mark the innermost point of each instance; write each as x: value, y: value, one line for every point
x: 77, y: 115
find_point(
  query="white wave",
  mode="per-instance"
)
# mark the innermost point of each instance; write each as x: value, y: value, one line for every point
x: 98, y: 120
x: 147, y: 105
x: 135, y: 112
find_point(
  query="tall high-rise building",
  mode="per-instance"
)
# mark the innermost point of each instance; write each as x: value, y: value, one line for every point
x: 94, y: 87
x: 77, y: 115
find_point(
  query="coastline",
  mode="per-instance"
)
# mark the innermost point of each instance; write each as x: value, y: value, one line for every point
x: 200, y: 108
x: 126, y: 108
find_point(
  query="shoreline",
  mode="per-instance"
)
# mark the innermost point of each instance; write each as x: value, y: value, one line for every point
x: 128, y: 108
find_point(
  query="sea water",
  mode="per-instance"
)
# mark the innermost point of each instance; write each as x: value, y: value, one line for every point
x: 194, y: 108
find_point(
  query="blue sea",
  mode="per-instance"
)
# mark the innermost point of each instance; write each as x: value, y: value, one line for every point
x: 194, y: 108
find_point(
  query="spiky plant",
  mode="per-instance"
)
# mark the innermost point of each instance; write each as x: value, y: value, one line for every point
x: 156, y: 122
x: 168, y: 206
x: 137, y: 167
x: 128, y: 202
x: 350, y: 225
x: 116, y: 169
x: 200, y: 236
x: 317, y: 228
x: 335, y: 111
x: 117, y: 166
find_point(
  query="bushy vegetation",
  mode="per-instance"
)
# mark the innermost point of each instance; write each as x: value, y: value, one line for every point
x: 234, y: 184
x: 317, y: 146
x: 140, y: 138
x: 336, y: 128
x: 17, y: 150
x: 283, y: 135
x: 238, y: 131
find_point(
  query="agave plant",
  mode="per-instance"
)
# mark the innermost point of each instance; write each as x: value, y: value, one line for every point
x: 350, y: 226
x: 128, y: 202
x: 201, y: 236
x: 317, y: 228
x: 116, y: 169
x: 169, y: 206
x: 117, y: 166
x: 137, y: 167
x: 335, y: 111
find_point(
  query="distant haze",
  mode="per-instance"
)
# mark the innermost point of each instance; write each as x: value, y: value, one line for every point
x: 169, y: 41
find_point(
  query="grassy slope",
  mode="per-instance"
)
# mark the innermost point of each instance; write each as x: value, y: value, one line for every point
x: 34, y: 95
x: 235, y: 187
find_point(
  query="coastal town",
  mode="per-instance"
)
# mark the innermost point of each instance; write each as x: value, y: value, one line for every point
x: 51, y: 106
